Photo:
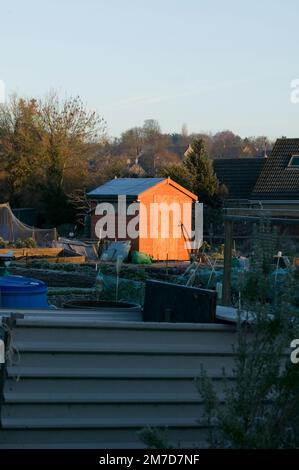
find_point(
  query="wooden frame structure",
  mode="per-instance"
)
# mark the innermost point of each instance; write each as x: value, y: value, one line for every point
x: 276, y: 216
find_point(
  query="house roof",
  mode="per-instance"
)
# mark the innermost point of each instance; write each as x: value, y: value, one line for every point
x: 239, y: 175
x: 277, y: 180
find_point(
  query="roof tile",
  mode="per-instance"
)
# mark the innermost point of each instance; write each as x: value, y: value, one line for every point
x: 277, y: 180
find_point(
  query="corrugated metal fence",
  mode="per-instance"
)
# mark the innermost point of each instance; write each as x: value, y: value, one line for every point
x: 82, y: 382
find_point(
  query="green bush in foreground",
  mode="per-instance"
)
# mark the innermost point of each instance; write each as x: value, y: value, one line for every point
x: 260, y: 409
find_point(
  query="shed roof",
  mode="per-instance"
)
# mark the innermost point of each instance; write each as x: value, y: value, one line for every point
x: 239, y: 174
x: 133, y: 187
x: 278, y: 180
x: 125, y: 187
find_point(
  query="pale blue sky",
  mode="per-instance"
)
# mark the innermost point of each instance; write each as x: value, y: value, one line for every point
x: 211, y: 64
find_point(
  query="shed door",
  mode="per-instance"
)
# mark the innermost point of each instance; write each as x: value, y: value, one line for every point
x: 166, y: 248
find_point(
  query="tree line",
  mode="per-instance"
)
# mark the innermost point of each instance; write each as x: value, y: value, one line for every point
x: 54, y: 149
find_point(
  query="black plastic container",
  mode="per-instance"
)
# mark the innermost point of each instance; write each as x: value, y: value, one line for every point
x: 174, y: 303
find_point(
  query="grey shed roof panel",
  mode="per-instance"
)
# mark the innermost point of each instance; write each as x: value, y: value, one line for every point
x: 124, y: 187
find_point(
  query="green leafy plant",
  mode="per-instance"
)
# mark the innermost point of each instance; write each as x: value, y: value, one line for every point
x: 3, y: 243
x: 25, y: 243
x: 30, y: 242
x: 261, y: 408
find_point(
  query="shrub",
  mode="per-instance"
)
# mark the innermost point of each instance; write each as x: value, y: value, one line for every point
x: 19, y: 243
x: 3, y: 243
x: 260, y: 407
x: 30, y: 243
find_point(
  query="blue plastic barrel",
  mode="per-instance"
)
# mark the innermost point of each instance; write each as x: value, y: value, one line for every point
x: 22, y: 292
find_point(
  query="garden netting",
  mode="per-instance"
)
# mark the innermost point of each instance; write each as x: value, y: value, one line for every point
x: 12, y: 229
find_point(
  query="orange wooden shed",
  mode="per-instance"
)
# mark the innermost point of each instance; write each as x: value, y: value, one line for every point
x: 162, y: 215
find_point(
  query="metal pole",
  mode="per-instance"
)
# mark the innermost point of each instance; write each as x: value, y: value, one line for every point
x: 228, y: 247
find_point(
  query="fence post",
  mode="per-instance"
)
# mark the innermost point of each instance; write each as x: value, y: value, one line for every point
x: 228, y: 247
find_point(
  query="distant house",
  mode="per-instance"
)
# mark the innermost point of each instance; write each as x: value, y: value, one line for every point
x: 279, y: 178
x: 271, y: 181
x: 144, y: 192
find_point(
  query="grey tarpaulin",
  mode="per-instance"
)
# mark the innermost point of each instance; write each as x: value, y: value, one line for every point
x: 80, y: 247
